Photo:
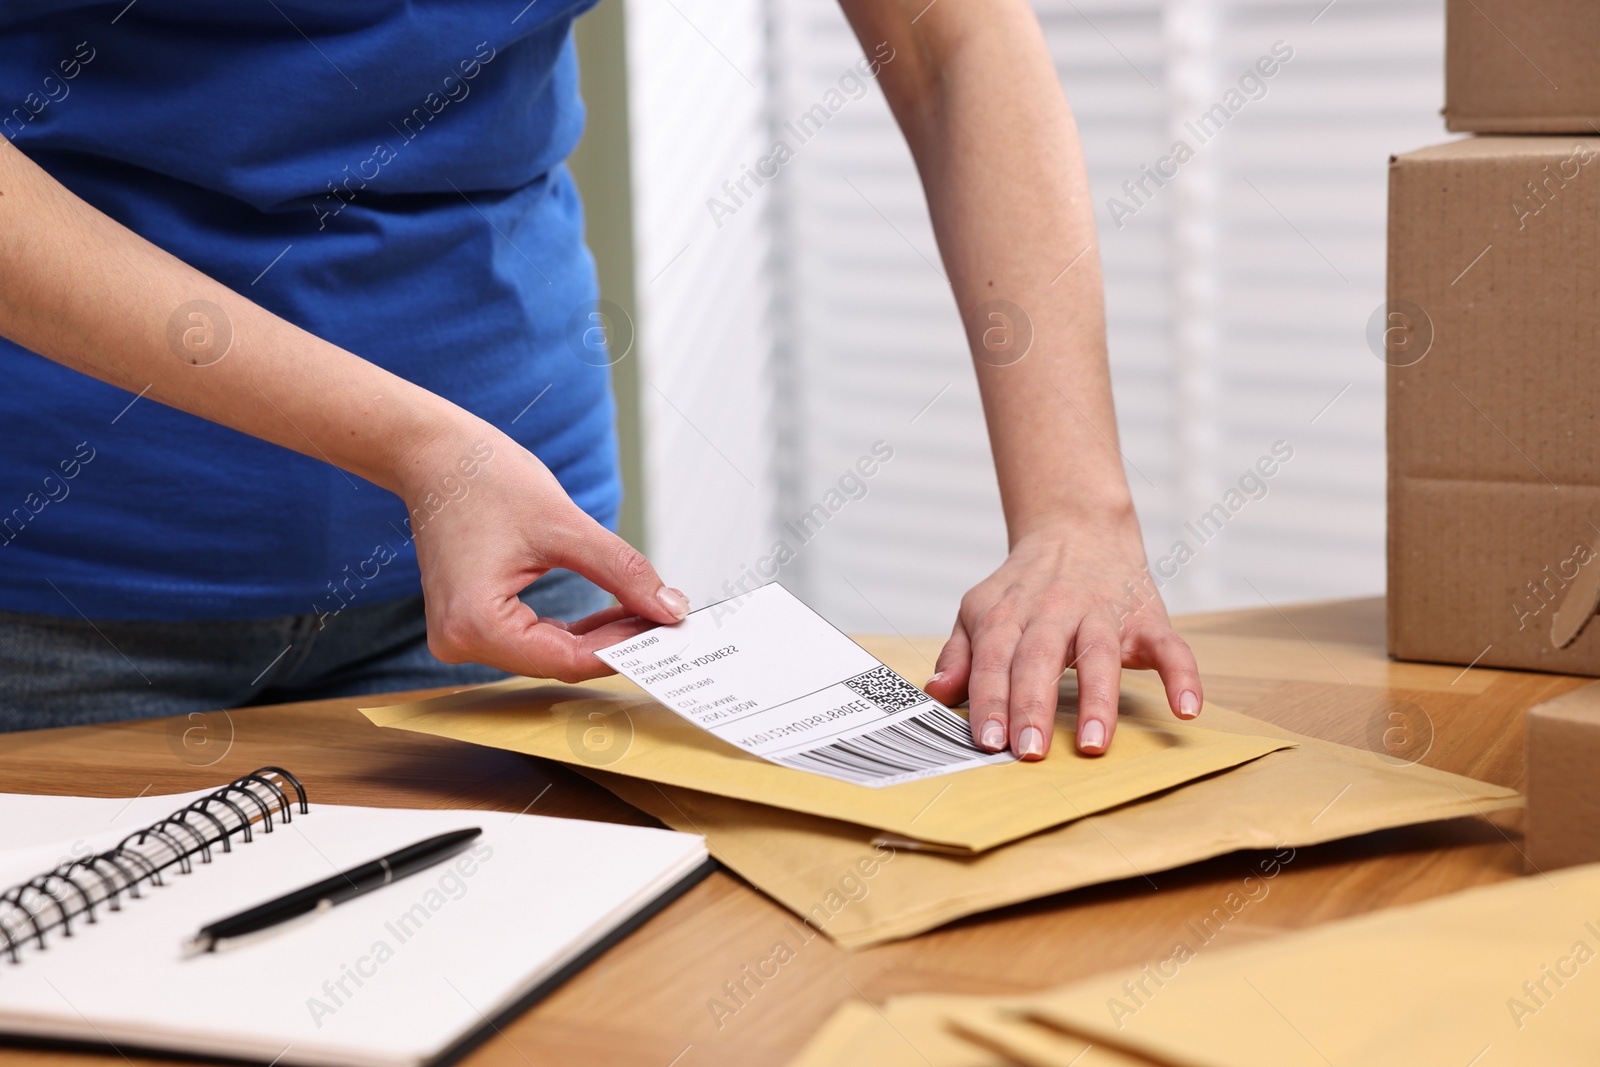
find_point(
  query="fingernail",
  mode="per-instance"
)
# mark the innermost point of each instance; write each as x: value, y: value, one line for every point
x: 1031, y: 743
x: 994, y: 736
x: 936, y: 676
x: 673, y: 600
x: 1092, y: 735
x: 1189, y: 704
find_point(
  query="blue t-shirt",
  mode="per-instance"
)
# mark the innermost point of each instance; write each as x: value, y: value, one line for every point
x: 387, y: 175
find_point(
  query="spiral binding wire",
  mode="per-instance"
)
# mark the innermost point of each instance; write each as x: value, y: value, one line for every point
x: 70, y: 891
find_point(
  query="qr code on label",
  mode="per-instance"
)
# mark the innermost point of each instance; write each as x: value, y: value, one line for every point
x: 887, y: 689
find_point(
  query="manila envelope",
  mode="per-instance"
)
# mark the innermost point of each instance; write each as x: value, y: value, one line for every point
x: 610, y: 724
x: 914, y: 1032
x: 859, y: 892
x: 1490, y: 976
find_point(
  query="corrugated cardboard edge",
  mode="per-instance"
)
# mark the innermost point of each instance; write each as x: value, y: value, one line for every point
x: 1391, y: 541
x: 1561, y: 125
x: 1547, y: 802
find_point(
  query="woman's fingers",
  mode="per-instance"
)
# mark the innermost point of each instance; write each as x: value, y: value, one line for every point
x: 949, y: 682
x: 601, y: 618
x: 467, y: 625
x: 518, y: 642
x: 620, y: 569
x: 1035, y: 673
x: 1156, y: 647
x: 1098, y: 662
x: 994, y: 645
x: 522, y: 643
x: 613, y: 632
x: 545, y: 649
x: 476, y: 557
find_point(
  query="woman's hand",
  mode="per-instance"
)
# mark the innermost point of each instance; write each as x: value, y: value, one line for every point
x: 488, y: 519
x: 1016, y: 233
x: 487, y: 516
x: 1068, y: 595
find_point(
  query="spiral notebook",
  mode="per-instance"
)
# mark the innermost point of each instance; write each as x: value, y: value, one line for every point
x: 417, y: 972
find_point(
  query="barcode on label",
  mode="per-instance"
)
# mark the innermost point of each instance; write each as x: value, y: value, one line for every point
x: 933, y: 739
x: 886, y: 689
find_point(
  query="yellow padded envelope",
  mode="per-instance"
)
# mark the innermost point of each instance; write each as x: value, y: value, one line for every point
x: 1504, y: 975
x: 830, y: 873
x: 609, y: 725
x: 914, y: 1032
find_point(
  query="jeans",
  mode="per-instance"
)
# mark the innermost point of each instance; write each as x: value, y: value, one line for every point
x: 67, y: 671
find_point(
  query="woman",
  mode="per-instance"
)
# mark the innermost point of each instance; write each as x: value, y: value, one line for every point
x: 307, y: 420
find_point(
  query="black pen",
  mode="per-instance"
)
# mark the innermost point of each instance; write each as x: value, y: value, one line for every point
x: 330, y: 891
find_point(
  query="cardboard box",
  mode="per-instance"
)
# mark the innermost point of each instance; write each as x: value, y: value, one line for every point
x: 1492, y: 335
x: 1562, y: 827
x: 1522, y: 66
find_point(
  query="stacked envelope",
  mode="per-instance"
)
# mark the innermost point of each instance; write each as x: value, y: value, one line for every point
x: 1490, y: 976
x: 1166, y: 794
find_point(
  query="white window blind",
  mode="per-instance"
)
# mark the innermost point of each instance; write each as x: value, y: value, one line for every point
x: 698, y: 100
x: 1238, y: 295
x: 806, y: 323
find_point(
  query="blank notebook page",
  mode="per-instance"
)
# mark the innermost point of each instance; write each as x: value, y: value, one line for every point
x: 396, y: 976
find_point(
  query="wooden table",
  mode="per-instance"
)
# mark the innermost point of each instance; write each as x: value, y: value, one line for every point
x: 1319, y: 669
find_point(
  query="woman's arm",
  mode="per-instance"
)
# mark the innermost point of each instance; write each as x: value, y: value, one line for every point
x: 80, y: 289
x: 975, y: 92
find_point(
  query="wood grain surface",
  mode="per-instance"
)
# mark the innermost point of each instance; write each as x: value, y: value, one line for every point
x: 1319, y: 669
